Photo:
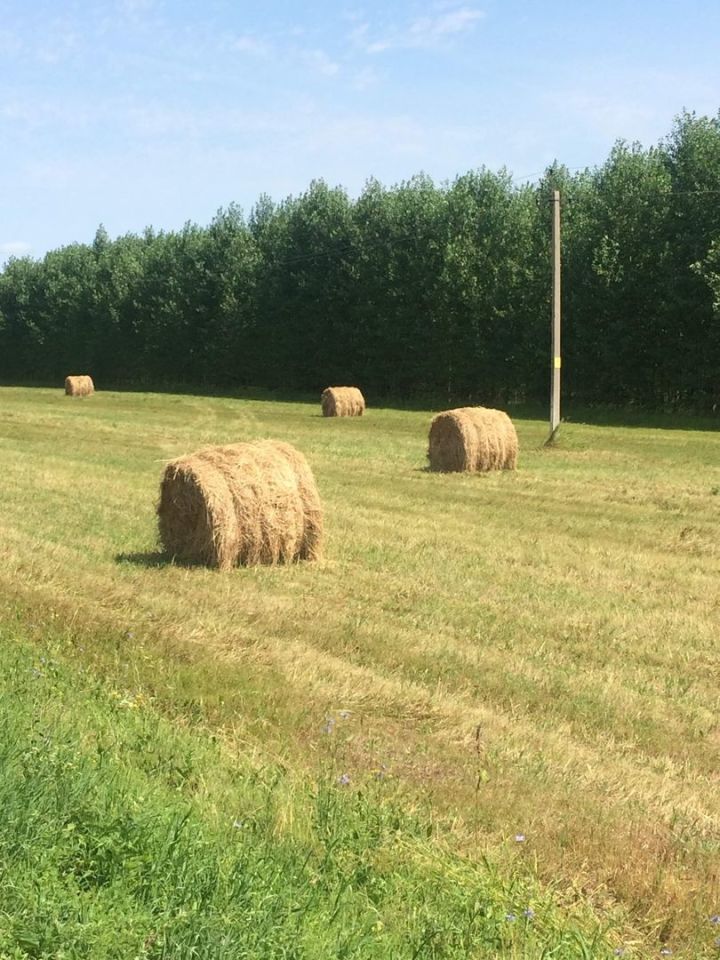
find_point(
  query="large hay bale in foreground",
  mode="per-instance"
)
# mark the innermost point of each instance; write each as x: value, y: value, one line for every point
x: 79, y: 386
x: 342, y: 402
x: 244, y: 503
x: 472, y: 439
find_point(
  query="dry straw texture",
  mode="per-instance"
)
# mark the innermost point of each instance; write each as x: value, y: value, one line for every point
x: 80, y: 386
x: 342, y: 402
x: 472, y: 439
x: 244, y: 503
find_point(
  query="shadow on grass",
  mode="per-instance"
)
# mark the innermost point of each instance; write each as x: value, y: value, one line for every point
x: 155, y: 558
x: 149, y: 558
x: 595, y: 414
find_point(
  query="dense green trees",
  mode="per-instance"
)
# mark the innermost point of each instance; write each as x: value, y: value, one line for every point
x: 414, y: 289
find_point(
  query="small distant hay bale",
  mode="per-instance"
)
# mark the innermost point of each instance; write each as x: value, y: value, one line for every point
x: 342, y: 402
x: 79, y: 386
x: 472, y: 439
x: 243, y: 503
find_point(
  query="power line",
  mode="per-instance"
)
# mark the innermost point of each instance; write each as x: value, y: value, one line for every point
x: 539, y: 173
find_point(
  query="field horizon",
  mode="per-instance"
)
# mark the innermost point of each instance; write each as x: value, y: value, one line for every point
x: 521, y: 655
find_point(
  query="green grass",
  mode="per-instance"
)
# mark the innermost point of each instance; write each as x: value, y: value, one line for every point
x: 532, y: 653
x: 122, y: 836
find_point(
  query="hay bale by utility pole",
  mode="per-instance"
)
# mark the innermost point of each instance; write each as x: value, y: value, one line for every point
x: 472, y: 439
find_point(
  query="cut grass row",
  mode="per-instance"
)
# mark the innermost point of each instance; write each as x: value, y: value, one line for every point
x: 532, y: 653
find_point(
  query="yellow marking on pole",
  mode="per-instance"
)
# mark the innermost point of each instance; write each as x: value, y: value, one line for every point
x: 558, y: 363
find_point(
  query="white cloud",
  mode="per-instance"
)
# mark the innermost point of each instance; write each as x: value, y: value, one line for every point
x: 32, y: 113
x: 10, y: 43
x: 358, y: 34
x: 428, y: 29
x: 632, y: 104
x: 132, y: 8
x: 14, y: 248
x: 426, y: 32
x: 252, y: 45
x: 321, y: 62
x: 365, y: 78
x: 59, y: 48
x: 606, y: 115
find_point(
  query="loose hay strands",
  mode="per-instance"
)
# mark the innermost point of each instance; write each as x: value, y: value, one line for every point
x: 342, y: 402
x: 244, y: 503
x: 79, y: 386
x: 472, y: 439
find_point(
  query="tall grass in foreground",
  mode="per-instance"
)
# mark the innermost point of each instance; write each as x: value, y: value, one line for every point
x: 122, y: 836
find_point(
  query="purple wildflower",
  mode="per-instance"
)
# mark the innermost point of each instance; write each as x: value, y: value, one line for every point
x: 328, y: 726
x: 529, y: 914
x: 344, y: 780
x: 510, y: 917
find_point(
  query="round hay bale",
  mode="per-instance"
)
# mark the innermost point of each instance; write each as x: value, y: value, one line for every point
x: 79, y: 386
x: 243, y: 503
x: 472, y: 439
x: 342, y: 402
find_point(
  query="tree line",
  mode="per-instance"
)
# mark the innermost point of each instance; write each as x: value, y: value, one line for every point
x: 417, y: 289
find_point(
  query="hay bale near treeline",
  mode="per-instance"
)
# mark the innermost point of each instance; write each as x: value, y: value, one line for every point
x: 342, y: 402
x: 472, y: 439
x: 243, y: 503
x: 79, y: 386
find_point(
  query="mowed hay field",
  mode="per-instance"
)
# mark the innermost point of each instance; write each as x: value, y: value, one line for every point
x: 532, y: 654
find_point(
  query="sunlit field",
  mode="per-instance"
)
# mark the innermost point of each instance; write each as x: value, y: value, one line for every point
x: 509, y: 681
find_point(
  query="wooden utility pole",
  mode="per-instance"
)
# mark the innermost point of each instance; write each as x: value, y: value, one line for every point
x: 556, y: 361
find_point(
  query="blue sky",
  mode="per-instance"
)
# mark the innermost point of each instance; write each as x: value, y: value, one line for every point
x: 138, y: 112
